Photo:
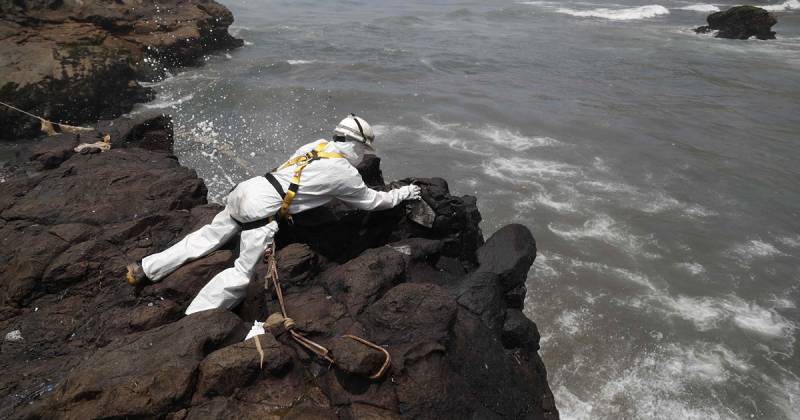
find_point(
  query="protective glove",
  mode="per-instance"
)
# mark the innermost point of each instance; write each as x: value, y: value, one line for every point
x: 410, y: 192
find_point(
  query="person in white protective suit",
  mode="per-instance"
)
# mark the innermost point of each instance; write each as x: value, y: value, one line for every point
x: 316, y: 174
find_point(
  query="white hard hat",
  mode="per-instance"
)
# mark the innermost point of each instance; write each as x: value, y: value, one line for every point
x: 355, y: 128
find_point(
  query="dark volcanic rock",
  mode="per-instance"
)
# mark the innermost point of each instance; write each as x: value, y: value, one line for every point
x: 143, y: 374
x: 519, y: 331
x: 445, y: 305
x: 741, y: 22
x: 356, y: 358
x: 340, y: 233
x: 480, y: 295
x: 238, y: 365
x: 65, y: 235
x: 509, y: 253
x: 79, y: 61
x: 363, y: 279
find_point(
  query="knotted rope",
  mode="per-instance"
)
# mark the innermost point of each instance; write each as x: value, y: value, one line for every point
x: 290, y: 326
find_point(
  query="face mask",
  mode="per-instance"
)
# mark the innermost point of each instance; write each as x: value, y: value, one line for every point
x: 353, y: 151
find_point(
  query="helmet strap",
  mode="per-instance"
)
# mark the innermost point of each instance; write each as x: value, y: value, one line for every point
x: 361, y: 130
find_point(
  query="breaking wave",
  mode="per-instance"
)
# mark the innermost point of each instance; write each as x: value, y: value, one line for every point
x: 702, y: 7
x: 787, y: 5
x: 633, y: 13
x: 300, y: 62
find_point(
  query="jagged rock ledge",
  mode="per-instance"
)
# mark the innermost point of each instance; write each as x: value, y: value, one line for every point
x: 75, y: 62
x: 446, y: 305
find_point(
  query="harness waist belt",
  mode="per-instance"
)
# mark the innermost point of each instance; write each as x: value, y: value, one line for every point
x: 255, y: 224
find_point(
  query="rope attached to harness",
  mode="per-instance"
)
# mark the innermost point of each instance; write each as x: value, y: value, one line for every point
x: 48, y: 127
x: 290, y: 326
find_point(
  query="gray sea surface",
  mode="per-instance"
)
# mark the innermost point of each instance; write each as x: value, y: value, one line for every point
x: 657, y: 168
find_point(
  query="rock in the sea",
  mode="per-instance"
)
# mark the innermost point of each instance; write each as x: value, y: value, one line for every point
x: 443, y: 303
x: 79, y: 61
x: 741, y: 22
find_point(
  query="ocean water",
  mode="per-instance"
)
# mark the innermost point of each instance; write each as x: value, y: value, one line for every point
x: 657, y: 168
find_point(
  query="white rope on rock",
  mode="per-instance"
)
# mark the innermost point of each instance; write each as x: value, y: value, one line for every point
x: 48, y: 127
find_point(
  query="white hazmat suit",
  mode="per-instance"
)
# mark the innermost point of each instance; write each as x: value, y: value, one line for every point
x: 255, y: 200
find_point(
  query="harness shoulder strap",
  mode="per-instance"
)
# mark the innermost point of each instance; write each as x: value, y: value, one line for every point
x: 300, y: 162
x: 275, y: 184
x: 317, y: 153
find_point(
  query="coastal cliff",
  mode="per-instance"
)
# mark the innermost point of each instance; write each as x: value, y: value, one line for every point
x: 446, y: 305
x: 75, y: 61
x: 78, y: 342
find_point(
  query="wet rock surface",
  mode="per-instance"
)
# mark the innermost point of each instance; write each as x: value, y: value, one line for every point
x: 79, y: 61
x: 436, y: 298
x: 741, y: 22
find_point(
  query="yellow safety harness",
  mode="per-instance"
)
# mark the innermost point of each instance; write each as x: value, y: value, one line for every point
x: 300, y: 162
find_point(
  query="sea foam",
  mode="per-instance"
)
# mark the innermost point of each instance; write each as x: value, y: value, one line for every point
x: 692, y: 267
x: 606, y: 229
x: 546, y: 199
x: 542, y: 266
x: 514, y: 140
x: 517, y: 169
x: 168, y: 102
x: 621, y: 273
x: 787, y: 5
x: 633, y: 13
x: 708, y: 312
x: 755, y: 249
x: 653, y: 384
x: 702, y: 7
x: 790, y: 241
x: 300, y: 62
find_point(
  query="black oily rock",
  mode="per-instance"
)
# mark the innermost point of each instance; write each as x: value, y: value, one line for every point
x: 741, y: 22
x: 95, y: 347
x: 519, y: 331
x: 508, y: 253
x: 356, y: 358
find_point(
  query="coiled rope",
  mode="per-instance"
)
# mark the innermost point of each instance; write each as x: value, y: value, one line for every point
x: 289, y: 324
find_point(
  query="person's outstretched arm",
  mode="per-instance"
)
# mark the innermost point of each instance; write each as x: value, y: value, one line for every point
x: 353, y: 191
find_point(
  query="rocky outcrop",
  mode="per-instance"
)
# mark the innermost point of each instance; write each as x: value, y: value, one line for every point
x: 446, y: 305
x: 76, y: 61
x: 741, y: 22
